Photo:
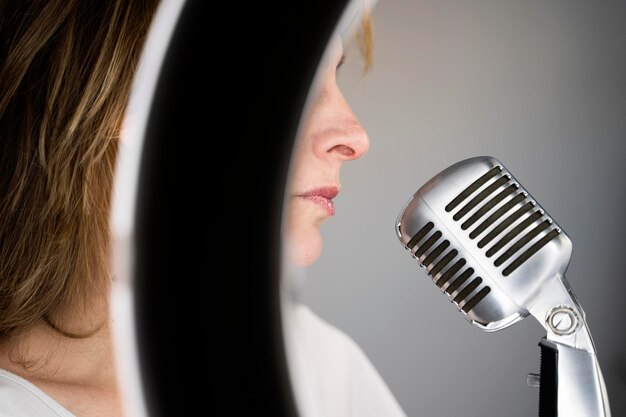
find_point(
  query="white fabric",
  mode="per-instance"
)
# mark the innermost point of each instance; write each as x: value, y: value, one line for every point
x: 331, y: 376
x: 20, y: 398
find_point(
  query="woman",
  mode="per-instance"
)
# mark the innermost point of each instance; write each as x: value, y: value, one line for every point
x: 331, y: 375
x: 66, y: 68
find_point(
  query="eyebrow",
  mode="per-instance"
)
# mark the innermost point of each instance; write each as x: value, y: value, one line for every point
x: 341, y: 61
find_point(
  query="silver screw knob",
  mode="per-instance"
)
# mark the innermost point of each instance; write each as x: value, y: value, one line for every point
x: 562, y: 320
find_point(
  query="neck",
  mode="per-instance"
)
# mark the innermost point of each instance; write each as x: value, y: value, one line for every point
x: 45, y: 355
x: 69, y: 369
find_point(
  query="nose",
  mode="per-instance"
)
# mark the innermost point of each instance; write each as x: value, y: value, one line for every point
x: 341, y: 135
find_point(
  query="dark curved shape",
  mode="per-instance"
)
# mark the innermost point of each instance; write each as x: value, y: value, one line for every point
x: 229, y: 242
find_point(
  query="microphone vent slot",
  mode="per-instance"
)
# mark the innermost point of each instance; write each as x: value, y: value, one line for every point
x: 504, y: 224
x: 489, y: 205
x: 513, y: 234
x: 518, y: 198
x: 472, y: 188
x: 450, y: 272
x: 536, y: 224
x: 420, y: 235
x: 431, y: 241
x: 459, y: 281
x: 480, y: 197
x: 530, y: 252
x: 437, y: 255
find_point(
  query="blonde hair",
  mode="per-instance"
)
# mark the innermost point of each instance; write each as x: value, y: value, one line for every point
x: 66, y: 68
x: 365, y: 39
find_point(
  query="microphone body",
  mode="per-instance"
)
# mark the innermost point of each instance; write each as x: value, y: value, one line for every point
x: 499, y: 257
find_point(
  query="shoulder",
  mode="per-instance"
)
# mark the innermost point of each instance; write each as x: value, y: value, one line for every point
x: 20, y: 398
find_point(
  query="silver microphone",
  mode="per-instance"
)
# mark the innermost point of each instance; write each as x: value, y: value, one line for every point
x: 499, y: 257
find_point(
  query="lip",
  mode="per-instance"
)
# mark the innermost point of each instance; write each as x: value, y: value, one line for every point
x: 323, y: 197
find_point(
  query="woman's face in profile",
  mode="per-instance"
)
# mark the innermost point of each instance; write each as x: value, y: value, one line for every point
x: 330, y: 136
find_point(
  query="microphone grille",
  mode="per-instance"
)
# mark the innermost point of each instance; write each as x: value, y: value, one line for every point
x: 429, y: 250
x: 496, y: 188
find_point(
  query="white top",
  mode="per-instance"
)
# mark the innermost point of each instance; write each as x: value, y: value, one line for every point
x: 330, y: 374
x: 20, y: 398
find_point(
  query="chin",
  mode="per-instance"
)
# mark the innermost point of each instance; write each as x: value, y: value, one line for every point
x: 304, y: 247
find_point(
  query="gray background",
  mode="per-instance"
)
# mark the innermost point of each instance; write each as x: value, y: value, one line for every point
x: 541, y: 86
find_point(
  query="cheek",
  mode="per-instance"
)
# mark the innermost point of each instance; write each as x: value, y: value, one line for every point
x: 307, y: 172
x: 308, y: 141
x: 297, y: 165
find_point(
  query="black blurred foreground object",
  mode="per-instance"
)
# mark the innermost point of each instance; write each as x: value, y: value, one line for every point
x: 213, y: 173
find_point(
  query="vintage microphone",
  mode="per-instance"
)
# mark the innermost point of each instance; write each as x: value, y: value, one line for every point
x: 499, y: 257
